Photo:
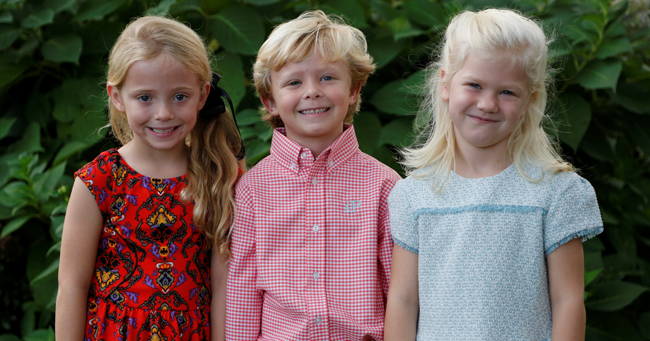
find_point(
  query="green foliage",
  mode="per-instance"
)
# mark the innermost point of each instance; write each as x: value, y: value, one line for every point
x: 53, y: 55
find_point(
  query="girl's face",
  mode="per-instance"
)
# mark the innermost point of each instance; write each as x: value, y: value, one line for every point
x: 161, y: 99
x: 487, y: 99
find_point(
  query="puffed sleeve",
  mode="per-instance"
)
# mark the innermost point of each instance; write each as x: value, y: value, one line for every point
x: 573, y: 212
x: 97, y: 177
x: 403, y: 222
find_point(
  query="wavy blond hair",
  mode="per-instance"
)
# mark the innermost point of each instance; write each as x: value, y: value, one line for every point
x: 212, y: 168
x: 495, y: 34
x: 296, y: 40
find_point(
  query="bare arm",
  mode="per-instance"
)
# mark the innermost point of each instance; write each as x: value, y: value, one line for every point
x: 218, y: 279
x: 81, y: 231
x: 566, y: 286
x: 403, y: 300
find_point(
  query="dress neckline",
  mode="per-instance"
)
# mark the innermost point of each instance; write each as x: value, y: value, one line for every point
x: 114, y: 151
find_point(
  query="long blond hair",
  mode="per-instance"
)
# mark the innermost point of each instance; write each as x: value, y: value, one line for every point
x: 212, y: 168
x: 491, y: 33
x: 296, y: 40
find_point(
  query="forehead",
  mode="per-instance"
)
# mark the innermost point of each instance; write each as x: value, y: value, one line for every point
x: 313, y: 63
x: 501, y: 69
x: 161, y: 70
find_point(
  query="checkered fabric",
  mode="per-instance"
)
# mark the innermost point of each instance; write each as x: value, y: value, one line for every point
x: 311, y: 245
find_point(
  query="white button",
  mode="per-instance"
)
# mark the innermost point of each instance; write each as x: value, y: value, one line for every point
x: 318, y: 320
x: 303, y: 155
x: 331, y: 163
x: 293, y: 166
x: 314, y: 181
x: 315, y: 228
x: 315, y: 275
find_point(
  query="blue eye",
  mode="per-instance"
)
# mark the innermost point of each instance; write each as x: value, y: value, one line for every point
x: 144, y: 98
x: 180, y: 97
x: 293, y: 83
x: 327, y: 78
x: 474, y: 85
x: 507, y: 92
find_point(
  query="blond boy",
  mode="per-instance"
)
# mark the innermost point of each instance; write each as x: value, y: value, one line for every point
x: 311, y: 244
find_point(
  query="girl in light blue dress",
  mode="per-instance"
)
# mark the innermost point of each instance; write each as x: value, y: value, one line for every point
x: 488, y: 225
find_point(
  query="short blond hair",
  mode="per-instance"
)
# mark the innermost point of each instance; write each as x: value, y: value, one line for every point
x: 495, y: 34
x: 296, y: 40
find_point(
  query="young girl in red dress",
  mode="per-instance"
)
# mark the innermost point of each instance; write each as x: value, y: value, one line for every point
x: 147, y: 227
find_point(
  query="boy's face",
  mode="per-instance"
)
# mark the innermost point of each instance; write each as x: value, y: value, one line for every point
x: 312, y: 99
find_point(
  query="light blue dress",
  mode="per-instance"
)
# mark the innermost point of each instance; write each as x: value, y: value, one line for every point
x: 482, y: 247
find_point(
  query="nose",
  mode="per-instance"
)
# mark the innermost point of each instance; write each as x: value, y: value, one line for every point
x: 312, y: 90
x: 487, y: 103
x: 164, y: 112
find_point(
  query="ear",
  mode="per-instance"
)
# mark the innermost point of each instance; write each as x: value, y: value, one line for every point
x: 116, y: 97
x: 270, y: 105
x: 444, y: 86
x: 354, y: 94
x: 204, y: 96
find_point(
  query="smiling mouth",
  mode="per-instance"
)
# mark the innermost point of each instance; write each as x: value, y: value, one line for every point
x: 313, y: 111
x: 481, y: 119
x: 163, y: 131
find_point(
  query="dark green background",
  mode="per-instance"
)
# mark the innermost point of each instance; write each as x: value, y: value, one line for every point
x: 53, y: 59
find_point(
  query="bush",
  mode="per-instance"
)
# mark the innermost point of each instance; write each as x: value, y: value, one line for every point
x: 53, y: 56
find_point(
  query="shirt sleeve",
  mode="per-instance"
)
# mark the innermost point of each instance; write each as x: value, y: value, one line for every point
x: 243, y: 300
x: 573, y: 212
x: 96, y: 175
x: 385, y: 242
x: 403, y: 222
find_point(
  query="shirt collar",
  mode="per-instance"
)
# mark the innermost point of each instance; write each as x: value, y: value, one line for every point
x: 288, y: 152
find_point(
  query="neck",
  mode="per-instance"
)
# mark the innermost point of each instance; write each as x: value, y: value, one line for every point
x: 155, y: 163
x: 472, y: 162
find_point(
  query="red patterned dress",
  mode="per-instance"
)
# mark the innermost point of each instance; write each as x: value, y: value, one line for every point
x: 152, y: 275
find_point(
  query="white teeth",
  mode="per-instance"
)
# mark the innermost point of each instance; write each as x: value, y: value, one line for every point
x: 163, y: 131
x: 313, y: 111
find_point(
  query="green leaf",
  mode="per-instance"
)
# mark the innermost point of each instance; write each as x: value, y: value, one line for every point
x: 349, y: 9
x: 75, y: 98
x: 63, y: 48
x: 38, y: 19
x: 616, y: 29
x: 14, y: 225
x: 398, y: 132
x: 28, y: 47
x: 383, y: 50
x: 97, y: 9
x: 633, y: 97
x: 238, y: 29
x: 576, y: 35
x: 45, y: 184
x: 427, y: 13
x: 52, y: 268
x: 162, y: 8
x: 15, y: 194
x: 29, y: 319
x: 40, y: 335
x: 59, y: 5
x: 6, y: 17
x: 5, y: 126
x: 31, y: 141
x: 56, y: 247
x: 614, y: 296
x: 10, y: 72
x: 577, y: 116
x: 591, y: 275
x: 610, y: 327
x: 233, y: 78
x: 8, y: 35
x: 68, y: 150
x: 600, y: 74
x: 595, y: 143
x: 402, y: 28
x: 366, y: 126
x: 261, y: 2
x: 9, y: 337
x: 644, y: 325
x: 614, y: 47
x: 384, y: 10
x: 393, y: 98
x: 248, y: 117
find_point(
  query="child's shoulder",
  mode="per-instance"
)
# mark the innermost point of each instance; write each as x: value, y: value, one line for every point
x: 104, y: 160
x: 373, y: 165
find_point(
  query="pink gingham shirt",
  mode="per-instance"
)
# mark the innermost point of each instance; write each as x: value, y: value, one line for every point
x: 311, y: 245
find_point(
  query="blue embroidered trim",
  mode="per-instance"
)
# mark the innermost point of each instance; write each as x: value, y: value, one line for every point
x: 404, y: 246
x: 481, y: 208
x: 584, y: 234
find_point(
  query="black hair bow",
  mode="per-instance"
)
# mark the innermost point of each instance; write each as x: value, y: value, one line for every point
x: 214, y: 106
